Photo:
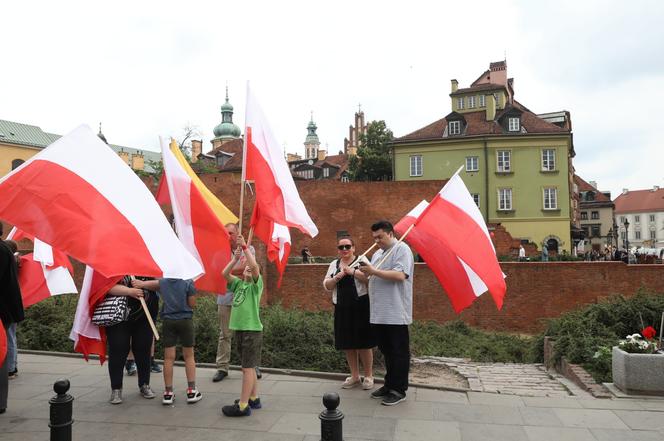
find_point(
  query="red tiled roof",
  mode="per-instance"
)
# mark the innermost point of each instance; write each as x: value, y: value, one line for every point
x: 232, y: 146
x: 478, y: 88
x: 600, y: 200
x: 478, y: 125
x: 640, y: 201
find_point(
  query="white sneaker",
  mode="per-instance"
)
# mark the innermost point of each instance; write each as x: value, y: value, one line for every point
x: 368, y: 383
x: 168, y: 398
x: 193, y: 395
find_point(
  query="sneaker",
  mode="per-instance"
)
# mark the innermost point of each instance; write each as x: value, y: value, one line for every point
x: 350, y: 383
x: 393, y: 398
x: 234, y: 411
x: 116, y: 396
x: 254, y: 404
x: 168, y: 398
x: 381, y: 393
x: 193, y: 395
x: 368, y: 383
x: 131, y: 367
x: 146, y: 392
x: 154, y: 367
x: 13, y: 374
x: 220, y: 375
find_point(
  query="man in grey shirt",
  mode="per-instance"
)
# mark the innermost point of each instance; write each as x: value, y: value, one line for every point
x: 391, y: 297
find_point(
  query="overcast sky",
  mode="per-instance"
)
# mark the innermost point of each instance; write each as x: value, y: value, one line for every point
x: 146, y: 69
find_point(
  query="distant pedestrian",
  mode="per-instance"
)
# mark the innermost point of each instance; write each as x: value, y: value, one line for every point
x: 307, y: 257
x: 545, y: 253
x: 522, y: 254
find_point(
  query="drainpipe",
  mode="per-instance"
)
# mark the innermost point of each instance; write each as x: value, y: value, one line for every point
x: 486, y: 181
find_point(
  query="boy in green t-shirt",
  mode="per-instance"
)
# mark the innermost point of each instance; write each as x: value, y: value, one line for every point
x: 246, y: 323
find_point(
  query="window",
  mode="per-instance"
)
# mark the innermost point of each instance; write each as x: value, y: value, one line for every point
x: 416, y: 165
x: 344, y: 178
x: 637, y: 234
x: 594, y: 229
x: 326, y: 172
x: 584, y: 215
x: 504, y: 161
x: 497, y: 98
x: 471, y: 102
x: 652, y: 218
x: 455, y: 128
x: 482, y: 101
x: 622, y: 235
x: 476, y: 198
x: 504, y: 199
x: 472, y: 163
x: 16, y: 163
x: 548, y: 159
x: 637, y: 219
x: 306, y: 174
x: 460, y: 103
x: 622, y: 220
x: 550, y: 199
x: 594, y: 215
x: 513, y: 124
x: 653, y: 234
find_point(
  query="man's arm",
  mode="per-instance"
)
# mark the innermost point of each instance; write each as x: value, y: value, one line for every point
x: 151, y: 285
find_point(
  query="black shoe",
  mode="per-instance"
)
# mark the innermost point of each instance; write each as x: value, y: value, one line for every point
x: 393, y: 398
x: 254, y: 404
x: 234, y: 411
x: 3, y: 411
x: 13, y: 374
x: 259, y: 374
x: 220, y: 375
x: 381, y: 393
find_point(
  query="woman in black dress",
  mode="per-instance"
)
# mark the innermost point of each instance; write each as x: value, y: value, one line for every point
x: 352, y: 330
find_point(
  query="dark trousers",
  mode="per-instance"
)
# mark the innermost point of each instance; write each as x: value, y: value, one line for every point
x: 394, y: 342
x: 136, y: 335
x: 4, y: 380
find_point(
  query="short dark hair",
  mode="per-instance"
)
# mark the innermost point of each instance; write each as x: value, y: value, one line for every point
x: 352, y: 242
x: 12, y: 245
x: 384, y: 225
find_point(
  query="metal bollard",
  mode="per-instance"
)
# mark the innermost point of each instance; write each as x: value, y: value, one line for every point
x: 61, y: 412
x: 331, y: 418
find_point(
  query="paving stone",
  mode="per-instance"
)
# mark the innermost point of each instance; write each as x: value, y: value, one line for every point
x: 491, y: 432
x: 645, y: 420
x: 590, y: 418
x: 625, y: 435
x: 418, y: 430
x: 558, y: 434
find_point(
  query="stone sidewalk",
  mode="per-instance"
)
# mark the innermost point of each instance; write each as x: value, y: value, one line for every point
x: 292, y: 404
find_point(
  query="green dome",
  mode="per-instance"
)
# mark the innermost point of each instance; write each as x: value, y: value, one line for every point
x: 226, y: 129
x: 312, y: 137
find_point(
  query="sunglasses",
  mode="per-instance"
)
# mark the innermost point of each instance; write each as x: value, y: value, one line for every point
x: 344, y: 247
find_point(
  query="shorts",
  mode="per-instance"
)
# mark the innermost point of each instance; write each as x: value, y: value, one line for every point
x: 249, y: 345
x: 181, y: 330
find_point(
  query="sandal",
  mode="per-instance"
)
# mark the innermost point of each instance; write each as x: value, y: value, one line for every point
x: 350, y: 383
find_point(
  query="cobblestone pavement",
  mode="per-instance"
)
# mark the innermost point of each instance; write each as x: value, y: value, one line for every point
x: 529, y: 380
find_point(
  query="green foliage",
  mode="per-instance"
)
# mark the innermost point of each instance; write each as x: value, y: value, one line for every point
x: 583, y: 335
x: 373, y: 161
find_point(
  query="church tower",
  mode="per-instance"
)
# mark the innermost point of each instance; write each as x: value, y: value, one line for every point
x: 311, y: 143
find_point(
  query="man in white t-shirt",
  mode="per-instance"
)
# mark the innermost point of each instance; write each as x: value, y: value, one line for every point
x: 391, y: 300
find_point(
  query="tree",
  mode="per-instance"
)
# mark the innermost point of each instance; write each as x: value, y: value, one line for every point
x: 189, y: 132
x: 373, y: 161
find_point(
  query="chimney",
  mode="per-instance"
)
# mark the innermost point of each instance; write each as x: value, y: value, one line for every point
x: 593, y: 184
x: 498, y: 72
x: 490, y: 107
x: 196, y: 149
x: 321, y: 154
x: 455, y: 86
x: 625, y: 190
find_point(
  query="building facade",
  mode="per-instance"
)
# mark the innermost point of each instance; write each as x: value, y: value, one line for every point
x: 355, y: 134
x: 317, y: 164
x: 644, y: 212
x: 595, y: 215
x: 517, y: 165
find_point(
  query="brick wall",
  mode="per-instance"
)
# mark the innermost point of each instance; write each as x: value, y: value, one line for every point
x: 536, y: 291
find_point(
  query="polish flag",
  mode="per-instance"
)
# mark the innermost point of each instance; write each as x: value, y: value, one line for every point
x: 89, y: 338
x: 78, y: 196
x: 200, y: 218
x: 44, y: 273
x: 278, y: 204
x: 452, y: 238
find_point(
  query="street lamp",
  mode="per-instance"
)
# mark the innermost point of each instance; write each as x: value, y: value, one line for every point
x: 627, y: 236
x: 615, y: 232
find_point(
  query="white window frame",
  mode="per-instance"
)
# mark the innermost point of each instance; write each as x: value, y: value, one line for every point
x: 472, y: 163
x: 416, y: 165
x: 476, y: 199
x: 548, y: 159
x: 653, y: 234
x: 460, y: 103
x: 513, y: 124
x: 622, y: 220
x: 471, y: 102
x: 637, y: 219
x: 326, y: 172
x: 482, y: 101
x: 637, y: 234
x: 454, y: 128
x: 504, y: 199
x: 504, y: 156
x: 652, y: 218
x: 550, y: 198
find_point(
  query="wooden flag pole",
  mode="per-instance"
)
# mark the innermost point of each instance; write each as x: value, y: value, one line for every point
x: 250, y: 236
x: 147, y: 314
x: 241, y: 214
x: 395, y: 245
x: 357, y: 261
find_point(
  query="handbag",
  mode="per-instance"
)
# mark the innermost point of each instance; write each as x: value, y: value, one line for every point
x: 111, y: 311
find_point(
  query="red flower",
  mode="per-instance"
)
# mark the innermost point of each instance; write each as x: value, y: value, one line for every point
x: 649, y: 332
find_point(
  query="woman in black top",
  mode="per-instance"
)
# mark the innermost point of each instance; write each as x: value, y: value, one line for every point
x: 11, y: 305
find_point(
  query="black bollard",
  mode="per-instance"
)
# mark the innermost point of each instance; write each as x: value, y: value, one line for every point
x: 331, y: 419
x: 61, y: 412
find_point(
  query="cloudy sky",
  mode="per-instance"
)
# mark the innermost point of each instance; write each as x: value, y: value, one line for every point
x: 147, y: 69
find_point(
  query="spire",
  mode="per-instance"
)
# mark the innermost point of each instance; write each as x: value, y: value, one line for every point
x: 226, y: 129
x: 101, y: 135
x: 311, y: 142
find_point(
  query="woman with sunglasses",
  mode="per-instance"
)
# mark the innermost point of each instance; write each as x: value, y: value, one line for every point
x: 352, y: 331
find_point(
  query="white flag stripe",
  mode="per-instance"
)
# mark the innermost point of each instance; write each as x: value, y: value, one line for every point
x: 478, y: 285
x: 82, y: 324
x: 281, y: 235
x: 59, y: 281
x: 42, y: 252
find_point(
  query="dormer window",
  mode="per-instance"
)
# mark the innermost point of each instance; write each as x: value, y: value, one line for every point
x: 514, y: 125
x: 460, y: 103
x: 455, y: 128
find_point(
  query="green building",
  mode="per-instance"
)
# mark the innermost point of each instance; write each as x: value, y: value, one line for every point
x: 517, y: 165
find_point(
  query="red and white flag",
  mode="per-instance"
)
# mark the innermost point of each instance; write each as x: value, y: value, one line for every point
x: 81, y: 198
x: 278, y: 204
x: 200, y: 218
x: 89, y: 338
x: 44, y: 273
x: 452, y: 238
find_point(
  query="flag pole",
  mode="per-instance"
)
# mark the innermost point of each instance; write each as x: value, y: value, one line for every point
x: 147, y: 314
x: 243, y: 181
x: 395, y: 245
